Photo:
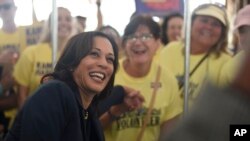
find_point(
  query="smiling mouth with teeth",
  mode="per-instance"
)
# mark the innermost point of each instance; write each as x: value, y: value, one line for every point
x: 140, y: 51
x: 98, y: 75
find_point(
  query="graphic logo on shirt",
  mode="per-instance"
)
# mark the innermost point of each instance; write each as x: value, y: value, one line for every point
x: 192, y: 86
x: 43, y: 68
x: 33, y: 35
x: 135, y: 119
x: 180, y: 79
x: 156, y: 85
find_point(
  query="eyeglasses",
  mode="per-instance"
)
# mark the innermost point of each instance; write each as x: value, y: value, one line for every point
x: 143, y: 37
x: 5, y: 6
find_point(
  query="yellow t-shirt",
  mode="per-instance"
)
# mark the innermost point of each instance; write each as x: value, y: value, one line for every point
x: 35, y: 62
x: 172, y: 57
x: 167, y: 105
x: 14, y: 40
x: 157, y: 53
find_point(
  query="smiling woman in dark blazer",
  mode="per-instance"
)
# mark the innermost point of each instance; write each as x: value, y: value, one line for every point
x: 63, y: 108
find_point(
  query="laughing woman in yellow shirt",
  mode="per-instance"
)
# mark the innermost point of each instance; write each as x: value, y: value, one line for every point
x: 139, y: 71
x: 209, y: 32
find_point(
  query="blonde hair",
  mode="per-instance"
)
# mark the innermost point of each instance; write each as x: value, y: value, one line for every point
x: 46, y: 34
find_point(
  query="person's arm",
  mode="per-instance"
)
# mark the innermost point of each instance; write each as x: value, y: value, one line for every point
x: 99, y: 15
x: 23, y: 92
x: 167, y: 126
x: 8, y: 98
x: 130, y: 100
x: 22, y: 74
x: 111, y: 115
x: 34, y: 18
x: 242, y: 80
x: 8, y: 102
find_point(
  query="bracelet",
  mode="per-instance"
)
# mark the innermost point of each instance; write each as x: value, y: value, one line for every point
x: 112, y: 116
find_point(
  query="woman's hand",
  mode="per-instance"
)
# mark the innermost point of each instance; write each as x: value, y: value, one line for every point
x: 132, y: 100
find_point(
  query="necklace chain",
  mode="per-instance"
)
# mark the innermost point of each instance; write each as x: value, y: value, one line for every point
x: 86, y: 114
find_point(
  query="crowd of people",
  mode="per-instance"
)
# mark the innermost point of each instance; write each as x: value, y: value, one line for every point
x: 107, y: 86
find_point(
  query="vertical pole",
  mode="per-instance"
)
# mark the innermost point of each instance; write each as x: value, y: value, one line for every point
x: 54, y: 27
x: 187, y: 23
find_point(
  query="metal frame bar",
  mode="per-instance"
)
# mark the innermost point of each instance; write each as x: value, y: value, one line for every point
x: 187, y: 20
x: 54, y: 32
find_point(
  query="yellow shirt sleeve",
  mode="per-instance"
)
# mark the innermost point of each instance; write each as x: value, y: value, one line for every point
x: 23, y: 67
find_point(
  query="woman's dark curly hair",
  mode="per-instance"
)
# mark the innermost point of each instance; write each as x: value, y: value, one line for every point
x: 164, y: 26
x: 76, y: 49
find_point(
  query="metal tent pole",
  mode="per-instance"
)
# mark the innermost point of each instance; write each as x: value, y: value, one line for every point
x: 187, y: 20
x: 54, y: 32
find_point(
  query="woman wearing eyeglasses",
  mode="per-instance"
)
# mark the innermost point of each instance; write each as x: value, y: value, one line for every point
x: 139, y: 71
x: 208, y: 37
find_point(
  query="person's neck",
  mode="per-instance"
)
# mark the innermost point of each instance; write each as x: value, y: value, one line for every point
x: 9, y: 27
x: 196, y: 48
x: 136, y: 70
x: 61, y: 44
x: 86, y: 100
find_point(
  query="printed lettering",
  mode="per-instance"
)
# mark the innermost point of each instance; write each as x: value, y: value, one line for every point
x: 135, y: 119
x: 43, y: 68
